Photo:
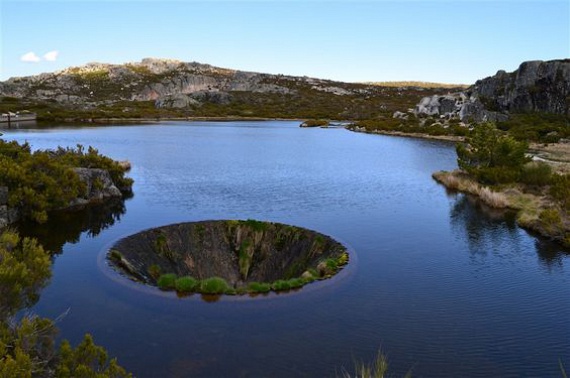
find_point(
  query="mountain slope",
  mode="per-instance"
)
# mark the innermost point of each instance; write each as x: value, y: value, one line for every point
x: 157, y: 87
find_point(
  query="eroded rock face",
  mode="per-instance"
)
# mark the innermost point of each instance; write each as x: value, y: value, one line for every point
x: 240, y: 252
x: 535, y: 86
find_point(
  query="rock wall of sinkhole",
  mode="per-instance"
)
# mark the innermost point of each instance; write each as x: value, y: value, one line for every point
x: 240, y: 252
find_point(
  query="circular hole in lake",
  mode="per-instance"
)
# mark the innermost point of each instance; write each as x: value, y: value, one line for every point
x: 232, y: 257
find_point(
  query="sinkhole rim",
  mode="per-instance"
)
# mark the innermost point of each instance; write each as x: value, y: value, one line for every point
x: 330, y: 281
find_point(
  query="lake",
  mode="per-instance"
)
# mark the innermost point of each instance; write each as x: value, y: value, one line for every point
x: 441, y: 285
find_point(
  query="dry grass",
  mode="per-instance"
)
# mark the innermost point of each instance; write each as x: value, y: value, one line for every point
x: 417, y: 84
x: 456, y: 180
x: 493, y: 199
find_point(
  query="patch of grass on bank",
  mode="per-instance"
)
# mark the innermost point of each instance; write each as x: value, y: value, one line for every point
x: 215, y: 285
x: 167, y: 281
x: 186, y: 284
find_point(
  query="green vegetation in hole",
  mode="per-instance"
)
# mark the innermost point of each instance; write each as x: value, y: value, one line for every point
x: 256, y: 225
x: 280, y: 241
x: 295, y: 283
x: 214, y: 285
x: 200, y: 231
x: 332, y: 264
x: 186, y: 284
x: 281, y: 285
x: 161, y: 246
x: 116, y: 255
x: 258, y: 287
x: 342, y: 259
x: 244, y: 256
x: 166, y: 281
x: 154, y: 271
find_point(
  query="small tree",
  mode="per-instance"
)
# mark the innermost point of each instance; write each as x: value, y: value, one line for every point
x: 488, y: 153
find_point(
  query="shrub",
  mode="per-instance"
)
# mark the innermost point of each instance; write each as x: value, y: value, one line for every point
x: 295, y: 283
x: 186, y: 284
x: 214, y: 285
x: 258, y: 287
x: 536, y: 173
x: 342, y: 259
x: 497, y: 175
x: 281, y: 285
x: 167, y: 281
x: 487, y: 147
x: 332, y: 264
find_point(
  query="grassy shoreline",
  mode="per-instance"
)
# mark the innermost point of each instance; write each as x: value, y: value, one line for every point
x: 535, y: 211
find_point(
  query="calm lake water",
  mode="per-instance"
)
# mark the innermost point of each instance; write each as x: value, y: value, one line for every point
x: 441, y: 285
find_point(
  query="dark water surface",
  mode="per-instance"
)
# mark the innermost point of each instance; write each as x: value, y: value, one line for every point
x: 442, y: 286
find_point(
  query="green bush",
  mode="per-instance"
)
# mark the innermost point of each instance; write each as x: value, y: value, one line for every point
x: 281, y: 285
x: 186, y: 284
x: 214, y: 285
x: 536, y: 173
x: 258, y: 287
x: 167, y: 281
x: 497, y: 175
x: 295, y: 283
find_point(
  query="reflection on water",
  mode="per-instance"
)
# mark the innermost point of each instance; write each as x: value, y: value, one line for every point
x: 480, y: 223
x: 67, y: 226
x: 484, y: 226
x: 550, y: 254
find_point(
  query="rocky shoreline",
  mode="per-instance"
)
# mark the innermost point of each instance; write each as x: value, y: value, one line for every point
x: 99, y: 188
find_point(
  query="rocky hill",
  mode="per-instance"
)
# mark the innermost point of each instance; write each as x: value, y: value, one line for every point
x: 155, y: 87
x: 536, y: 86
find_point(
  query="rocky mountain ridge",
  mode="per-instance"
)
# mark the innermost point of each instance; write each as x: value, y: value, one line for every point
x: 536, y: 86
x: 170, y: 83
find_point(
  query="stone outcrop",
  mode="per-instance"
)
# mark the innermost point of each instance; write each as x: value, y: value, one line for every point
x: 535, y: 86
x: 99, y: 186
x: 463, y: 106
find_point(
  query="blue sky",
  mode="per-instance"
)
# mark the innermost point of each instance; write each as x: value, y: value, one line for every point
x: 442, y: 41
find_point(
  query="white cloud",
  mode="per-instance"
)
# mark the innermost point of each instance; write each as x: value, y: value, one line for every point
x: 51, y: 56
x: 30, y: 57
